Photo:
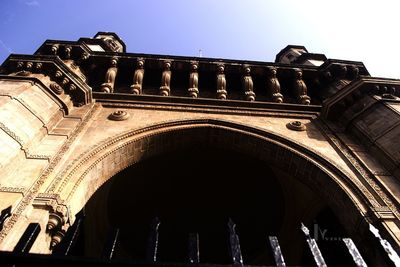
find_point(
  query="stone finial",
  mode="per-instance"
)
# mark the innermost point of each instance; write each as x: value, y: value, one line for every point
x: 111, y: 74
x: 248, y: 85
x: 221, y: 82
x: 194, y: 80
x: 136, y: 87
x: 300, y: 88
x: 273, y: 85
x: 166, y: 79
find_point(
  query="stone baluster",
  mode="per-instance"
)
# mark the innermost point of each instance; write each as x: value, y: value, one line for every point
x: 54, y: 49
x: 248, y: 85
x: 136, y: 87
x: 194, y: 80
x: 300, y: 88
x: 273, y: 85
x: 108, y: 85
x: 165, y: 88
x: 68, y: 50
x: 221, y: 83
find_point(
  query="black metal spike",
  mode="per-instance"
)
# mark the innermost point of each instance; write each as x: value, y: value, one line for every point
x: 193, y: 248
x: 312, y: 244
x: 4, y: 215
x: 358, y: 259
x: 110, y: 245
x: 234, y: 243
x: 152, y: 242
x: 276, y: 250
x: 26, y: 241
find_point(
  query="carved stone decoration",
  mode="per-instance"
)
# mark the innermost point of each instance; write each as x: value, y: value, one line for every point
x: 353, y: 72
x: 38, y: 66
x: 29, y: 65
x: 221, y: 83
x: 194, y: 80
x: 20, y: 65
x: 23, y: 73
x: 55, y: 221
x: 386, y: 92
x: 68, y: 50
x: 341, y: 71
x: 165, y: 89
x: 119, y: 115
x: 273, y: 85
x: 65, y: 81
x: 72, y: 87
x: 248, y: 85
x: 136, y: 87
x: 296, y: 126
x: 56, y: 88
x: 58, y: 74
x: 300, y: 88
x: 111, y: 74
x: 56, y: 238
x: 54, y: 49
x: 84, y: 56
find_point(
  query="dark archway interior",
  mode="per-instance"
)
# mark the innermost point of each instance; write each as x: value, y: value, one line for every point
x: 196, y: 190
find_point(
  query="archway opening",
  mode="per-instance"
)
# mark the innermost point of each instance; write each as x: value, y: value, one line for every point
x: 196, y: 190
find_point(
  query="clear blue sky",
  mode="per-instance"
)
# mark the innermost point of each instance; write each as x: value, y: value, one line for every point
x: 359, y: 30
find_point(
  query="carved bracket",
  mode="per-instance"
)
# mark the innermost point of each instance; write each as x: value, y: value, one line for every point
x: 58, y: 216
x: 56, y: 69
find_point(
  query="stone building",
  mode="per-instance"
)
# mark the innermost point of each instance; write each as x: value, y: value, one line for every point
x: 95, y: 140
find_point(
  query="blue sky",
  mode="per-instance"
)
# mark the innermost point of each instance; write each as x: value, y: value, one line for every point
x: 366, y: 31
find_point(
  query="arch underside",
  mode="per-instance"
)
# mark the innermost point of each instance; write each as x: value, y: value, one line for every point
x: 99, y: 164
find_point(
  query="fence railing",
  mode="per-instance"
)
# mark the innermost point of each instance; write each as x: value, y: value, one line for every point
x: 62, y: 252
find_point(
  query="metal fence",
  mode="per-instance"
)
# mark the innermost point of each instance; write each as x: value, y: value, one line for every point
x: 62, y: 252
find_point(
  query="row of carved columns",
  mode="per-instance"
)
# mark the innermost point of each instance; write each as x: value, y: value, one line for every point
x: 273, y: 85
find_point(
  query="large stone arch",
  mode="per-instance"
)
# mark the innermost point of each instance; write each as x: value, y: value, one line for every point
x: 78, y: 182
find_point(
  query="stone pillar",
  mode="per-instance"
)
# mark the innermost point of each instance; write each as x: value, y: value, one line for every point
x: 108, y: 85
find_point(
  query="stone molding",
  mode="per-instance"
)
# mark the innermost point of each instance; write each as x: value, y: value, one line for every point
x: 57, y: 71
x: 359, y: 168
x: 31, y: 194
